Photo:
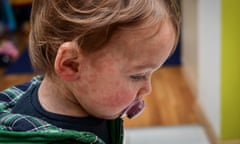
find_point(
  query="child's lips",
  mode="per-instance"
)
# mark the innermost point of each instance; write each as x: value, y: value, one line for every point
x: 134, y: 109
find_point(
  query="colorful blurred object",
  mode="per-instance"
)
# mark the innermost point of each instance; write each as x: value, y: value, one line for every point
x: 7, y: 19
x: 8, y: 53
x: 9, y: 49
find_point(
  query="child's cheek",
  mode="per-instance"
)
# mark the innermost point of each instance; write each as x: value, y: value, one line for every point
x: 120, y: 99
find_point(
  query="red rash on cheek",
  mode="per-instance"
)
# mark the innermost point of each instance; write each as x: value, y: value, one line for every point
x: 121, y: 99
x: 119, y: 95
x: 103, y: 83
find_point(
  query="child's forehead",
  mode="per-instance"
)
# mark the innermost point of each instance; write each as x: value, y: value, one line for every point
x: 141, y: 34
x: 128, y: 37
x: 131, y: 41
x: 127, y: 41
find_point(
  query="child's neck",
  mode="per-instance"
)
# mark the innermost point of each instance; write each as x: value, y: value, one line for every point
x: 56, y: 98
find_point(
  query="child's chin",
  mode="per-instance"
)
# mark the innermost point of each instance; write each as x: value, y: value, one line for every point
x: 106, y: 117
x: 112, y: 117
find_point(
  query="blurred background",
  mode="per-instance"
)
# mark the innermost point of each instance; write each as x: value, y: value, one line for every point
x: 195, y: 97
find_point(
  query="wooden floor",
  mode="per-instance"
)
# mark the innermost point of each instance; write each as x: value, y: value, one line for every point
x: 170, y: 103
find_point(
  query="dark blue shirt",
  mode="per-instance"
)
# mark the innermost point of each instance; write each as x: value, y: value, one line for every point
x: 29, y: 105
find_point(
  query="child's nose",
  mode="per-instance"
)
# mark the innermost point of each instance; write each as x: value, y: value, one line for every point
x: 145, y: 89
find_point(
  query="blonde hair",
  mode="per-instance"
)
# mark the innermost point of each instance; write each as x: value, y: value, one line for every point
x: 89, y: 23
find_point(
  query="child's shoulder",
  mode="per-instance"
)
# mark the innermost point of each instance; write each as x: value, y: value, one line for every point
x: 10, y: 96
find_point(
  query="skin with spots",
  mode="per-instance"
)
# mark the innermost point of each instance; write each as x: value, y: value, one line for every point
x: 106, y: 82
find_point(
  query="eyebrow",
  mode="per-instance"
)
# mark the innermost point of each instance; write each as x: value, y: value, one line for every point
x: 146, y: 66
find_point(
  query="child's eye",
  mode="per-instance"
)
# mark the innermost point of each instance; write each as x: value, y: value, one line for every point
x: 138, y: 77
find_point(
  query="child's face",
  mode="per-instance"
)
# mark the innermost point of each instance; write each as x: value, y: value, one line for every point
x: 114, y: 77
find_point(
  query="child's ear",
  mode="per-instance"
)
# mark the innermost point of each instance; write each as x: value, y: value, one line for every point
x: 67, y: 61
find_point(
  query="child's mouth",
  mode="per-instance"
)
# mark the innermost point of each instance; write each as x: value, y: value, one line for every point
x: 134, y: 109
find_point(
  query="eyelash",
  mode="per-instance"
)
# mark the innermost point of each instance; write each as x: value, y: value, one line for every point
x: 138, y: 77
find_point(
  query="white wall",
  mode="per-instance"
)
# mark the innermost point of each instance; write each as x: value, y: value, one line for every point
x: 189, y: 43
x: 209, y: 43
x: 201, y: 54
